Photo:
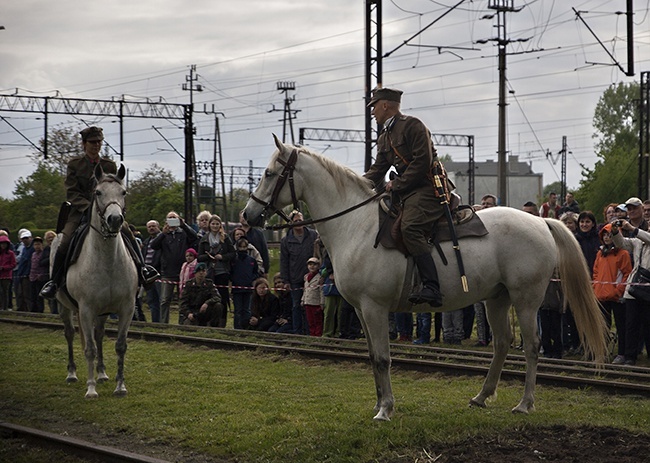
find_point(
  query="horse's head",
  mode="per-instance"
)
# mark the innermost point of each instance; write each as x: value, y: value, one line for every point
x: 276, y: 188
x: 109, y: 198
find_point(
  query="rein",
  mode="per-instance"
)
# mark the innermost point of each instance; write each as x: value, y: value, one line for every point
x: 325, y: 219
x: 287, y: 174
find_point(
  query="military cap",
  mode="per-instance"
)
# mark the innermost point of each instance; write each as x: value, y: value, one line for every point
x: 390, y: 94
x: 200, y: 266
x: 92, y: 133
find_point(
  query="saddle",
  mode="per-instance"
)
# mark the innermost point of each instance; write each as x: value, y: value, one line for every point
x: 466, y: 223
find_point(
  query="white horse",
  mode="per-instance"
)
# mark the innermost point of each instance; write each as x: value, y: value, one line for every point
x: 512, y: 265
x: 102, y: 281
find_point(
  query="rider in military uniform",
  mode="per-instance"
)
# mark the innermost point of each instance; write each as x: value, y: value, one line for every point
x: 200, y: 303
x: 405, y: 143
x: 79, y: 184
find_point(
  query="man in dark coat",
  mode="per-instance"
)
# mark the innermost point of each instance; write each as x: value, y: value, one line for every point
x: 405, y: 144
x: 200, y: 303
x: 79, y: 185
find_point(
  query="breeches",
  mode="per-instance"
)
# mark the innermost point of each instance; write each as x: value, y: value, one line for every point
x: 421, y: 210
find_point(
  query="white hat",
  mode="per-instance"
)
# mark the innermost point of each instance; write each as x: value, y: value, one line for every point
x: 24, y: 233
x: 634, y: 202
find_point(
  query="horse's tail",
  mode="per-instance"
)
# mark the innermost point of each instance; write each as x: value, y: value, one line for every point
x: 579, y: 293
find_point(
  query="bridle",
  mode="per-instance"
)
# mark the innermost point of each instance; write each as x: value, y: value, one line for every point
x: 105, y: 230
x: 287, y: 174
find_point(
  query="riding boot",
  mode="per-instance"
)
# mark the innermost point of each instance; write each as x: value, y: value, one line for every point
x: 147, y: 274
x: 51, y: 287
x: 430, y: 292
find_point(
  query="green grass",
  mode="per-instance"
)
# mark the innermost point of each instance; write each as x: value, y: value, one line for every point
x: 248, y: 406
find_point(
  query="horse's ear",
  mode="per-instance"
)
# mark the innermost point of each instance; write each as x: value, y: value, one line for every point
x: 99, y: 172
x: 121, y: 173
x: 278, y: 143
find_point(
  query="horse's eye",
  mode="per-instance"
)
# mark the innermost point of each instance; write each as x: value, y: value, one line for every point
x: 98, y: 193
x: 123, y: 192
x: 268, y: 173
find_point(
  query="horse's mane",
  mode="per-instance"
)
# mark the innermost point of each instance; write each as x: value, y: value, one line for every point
x: 339, y: 172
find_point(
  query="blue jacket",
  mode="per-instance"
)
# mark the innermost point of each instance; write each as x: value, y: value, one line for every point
x: 24, y: 261
x: 244, y: 272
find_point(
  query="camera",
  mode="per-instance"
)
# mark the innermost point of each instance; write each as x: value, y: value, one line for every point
x: 174, y: 222
x: 618, y: 223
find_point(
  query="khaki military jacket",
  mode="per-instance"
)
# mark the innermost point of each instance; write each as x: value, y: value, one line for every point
x: 412, y: 140
x: 80, y: 182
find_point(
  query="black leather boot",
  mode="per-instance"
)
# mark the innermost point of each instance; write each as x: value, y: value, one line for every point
x: 147, y: 274
x: 430, y: 292
x: 51, y: 287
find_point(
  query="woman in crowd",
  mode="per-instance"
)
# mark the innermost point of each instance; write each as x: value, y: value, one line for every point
x: 265, y: 306
x: 203, y: 223
x: 7, y: 264
x: 252, y: 250
x: 217, y: 251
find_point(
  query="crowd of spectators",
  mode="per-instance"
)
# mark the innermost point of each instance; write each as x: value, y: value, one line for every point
x: 208, y: 268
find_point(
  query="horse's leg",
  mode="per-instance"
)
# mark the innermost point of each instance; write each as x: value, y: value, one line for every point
x: 99, y: 340
x: 68, y: 330
x: 497, y: 315
x: 87, y: 327
x: 375, y: 326
x: 120, y: 350
x: 527, y: 315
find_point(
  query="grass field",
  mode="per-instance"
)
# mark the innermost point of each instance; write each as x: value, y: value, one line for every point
x: 253, y: 407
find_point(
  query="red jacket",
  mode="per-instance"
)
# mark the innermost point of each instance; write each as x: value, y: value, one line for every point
x: 7, y: 264
x: 610, y: 274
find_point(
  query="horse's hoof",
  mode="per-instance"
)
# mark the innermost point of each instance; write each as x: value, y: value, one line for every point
x: 102, y: 378
x: 522, y: 409
x: 71, y: 379
x: 91, y: 395
x: 120, y: 392
x: 381, y: 417
x: 476, y: 403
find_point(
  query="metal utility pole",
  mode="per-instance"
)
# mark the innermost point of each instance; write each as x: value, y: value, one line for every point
x: 288, y: 113
x: 190, y: 131
x: 562, y: 156
x: 374, y: 56
x: 502, y: 7
x: 644, y: 136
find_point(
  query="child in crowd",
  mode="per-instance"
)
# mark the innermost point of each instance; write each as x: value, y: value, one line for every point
x: 7, y: 264
x: 283, y: 322
x: 313, y: 299
x: 187, y: 270
x: 611, y: 269
x: 244, y: 273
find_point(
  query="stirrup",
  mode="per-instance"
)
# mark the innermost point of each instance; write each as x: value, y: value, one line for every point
x: 429, y: 296
x: 149, y: 275
x: 49, y: 290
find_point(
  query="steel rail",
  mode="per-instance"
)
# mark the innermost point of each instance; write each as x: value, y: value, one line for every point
x: 78, y: 447
x: 572, y: 374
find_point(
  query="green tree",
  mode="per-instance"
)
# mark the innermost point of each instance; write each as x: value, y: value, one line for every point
x: 153, y: 195
x: 38, y: 198
x: 63, y: 143
x: 614, y: 176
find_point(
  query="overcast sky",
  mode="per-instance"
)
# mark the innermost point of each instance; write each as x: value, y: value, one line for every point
x: 144, y: 49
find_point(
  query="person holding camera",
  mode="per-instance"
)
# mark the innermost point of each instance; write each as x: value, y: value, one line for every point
x: 637, y: 313
x: 176, y: 237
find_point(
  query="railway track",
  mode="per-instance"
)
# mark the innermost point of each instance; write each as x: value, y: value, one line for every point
x: 615, y: 379
x: 85, y: 451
